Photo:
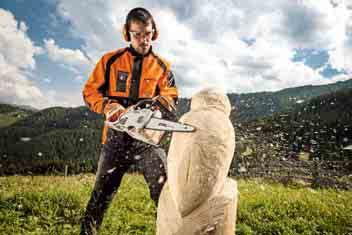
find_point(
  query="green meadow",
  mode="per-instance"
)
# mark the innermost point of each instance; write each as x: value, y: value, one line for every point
x: 55, y: 204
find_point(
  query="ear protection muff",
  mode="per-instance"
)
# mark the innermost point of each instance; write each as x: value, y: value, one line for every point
x: 125, y: 34
x: 127, y: 37
x: 156, y: 33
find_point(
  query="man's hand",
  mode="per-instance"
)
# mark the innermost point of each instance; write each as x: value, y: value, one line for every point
x: 165, y: 102
x: 113, y: 111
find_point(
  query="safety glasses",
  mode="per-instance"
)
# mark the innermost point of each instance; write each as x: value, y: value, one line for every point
x: 139, y: 35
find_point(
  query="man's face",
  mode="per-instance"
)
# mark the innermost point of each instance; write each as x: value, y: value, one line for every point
x: 141, y: 36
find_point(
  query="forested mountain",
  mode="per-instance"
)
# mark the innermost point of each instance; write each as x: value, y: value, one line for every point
x: 314, y: 120
x: 263, y: 104
x: 250, y: 106
x: 319, y: 129
x: 51, y: 138
x: 10, y: 114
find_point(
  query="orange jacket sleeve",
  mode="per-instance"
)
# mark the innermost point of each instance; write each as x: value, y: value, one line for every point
x: 167, y: 86
x: 92, y: 95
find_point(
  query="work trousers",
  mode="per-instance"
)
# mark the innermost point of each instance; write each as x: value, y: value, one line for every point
x: 117, y: 155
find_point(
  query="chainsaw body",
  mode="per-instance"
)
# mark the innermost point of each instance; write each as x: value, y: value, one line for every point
x: 144, y: 122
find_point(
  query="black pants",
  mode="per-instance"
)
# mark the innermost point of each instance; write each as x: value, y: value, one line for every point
x: 117, y: 155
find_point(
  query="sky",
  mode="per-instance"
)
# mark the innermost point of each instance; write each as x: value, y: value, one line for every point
x: 48, y: 48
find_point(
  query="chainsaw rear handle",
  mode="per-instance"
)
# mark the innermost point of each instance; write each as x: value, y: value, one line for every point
x: 167, y: 114
x: 143, y: 103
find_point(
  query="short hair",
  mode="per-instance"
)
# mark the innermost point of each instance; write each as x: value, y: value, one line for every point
x: 139, y: 14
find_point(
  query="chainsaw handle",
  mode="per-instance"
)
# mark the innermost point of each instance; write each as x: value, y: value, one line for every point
x: 165, y: 112
x: 144, y: 102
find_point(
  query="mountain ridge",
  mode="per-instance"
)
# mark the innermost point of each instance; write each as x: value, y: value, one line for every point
x: 52, y: 135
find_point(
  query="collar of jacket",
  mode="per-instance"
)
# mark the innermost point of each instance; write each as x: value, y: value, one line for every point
x: 137, y: 54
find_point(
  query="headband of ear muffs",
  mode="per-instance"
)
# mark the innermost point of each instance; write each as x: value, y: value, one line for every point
x: 125, y: 28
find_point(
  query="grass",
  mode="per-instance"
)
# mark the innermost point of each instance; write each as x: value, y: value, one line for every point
x: 275, y: 209
x: 7, y: 120
x: 54, y: 205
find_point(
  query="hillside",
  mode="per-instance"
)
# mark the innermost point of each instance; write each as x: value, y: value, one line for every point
x: 251, y: 106
x: 318, y: 128
x: 317, y: 131
x: 10, y: 114
x: 321, y: 127
x: 264, y: 104
x: 49, y: 139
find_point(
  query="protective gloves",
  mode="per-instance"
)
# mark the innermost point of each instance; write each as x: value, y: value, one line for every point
x: 113, y: 111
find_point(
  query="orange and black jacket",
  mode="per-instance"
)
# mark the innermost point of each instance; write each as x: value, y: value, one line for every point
x: 125, y: 76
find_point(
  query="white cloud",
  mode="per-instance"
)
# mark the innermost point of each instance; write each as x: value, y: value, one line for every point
x: 79, y: 78
x: 99, y: 24
x: 230, y: 63
x: 341, y: 54
x: 15, y: 46
x: 14, y: 87
x: 16, y: 61
x: 204, y: 40
x: 66, y: 98
x: 17, y: 64
x: 47, y: 80
x: 74, y: 60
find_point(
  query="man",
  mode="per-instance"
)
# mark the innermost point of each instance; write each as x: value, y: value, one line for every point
x: 119, y: 80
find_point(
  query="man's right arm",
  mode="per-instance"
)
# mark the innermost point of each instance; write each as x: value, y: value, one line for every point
x: 93, y: 91
x: 92, y: 94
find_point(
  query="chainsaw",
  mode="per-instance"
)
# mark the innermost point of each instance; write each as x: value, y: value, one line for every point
x: 144, y: 116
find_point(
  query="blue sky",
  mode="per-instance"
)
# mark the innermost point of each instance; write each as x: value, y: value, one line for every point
x: 49, y: 47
